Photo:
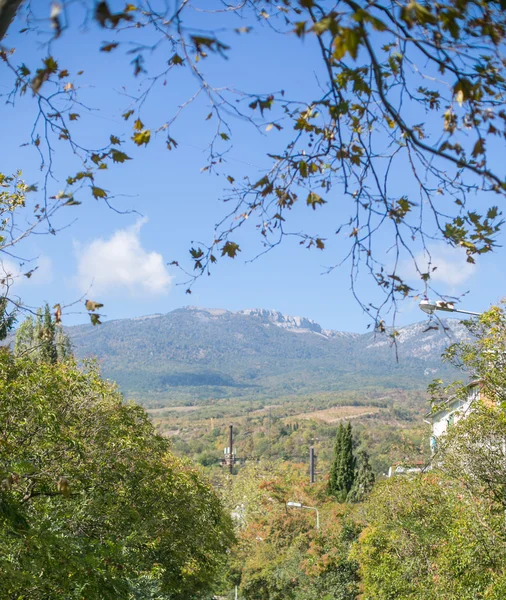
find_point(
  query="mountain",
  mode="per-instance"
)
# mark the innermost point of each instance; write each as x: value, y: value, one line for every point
x: 194, y: 354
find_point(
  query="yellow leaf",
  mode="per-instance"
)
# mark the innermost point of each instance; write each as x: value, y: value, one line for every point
x: 142, y: 137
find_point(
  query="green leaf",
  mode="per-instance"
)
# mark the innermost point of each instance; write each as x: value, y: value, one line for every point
x: 51, y: 64
x: 313, y: 200
x: 230, y: 249
x: 300, y: 29
x: 479, y: 148
x: 196, y: 253
x: 23, y: 70
x: 171, y: 142
x: 95, y: 319
x: 119, y: 157
x: 98, y: 192
x: 176, y: 60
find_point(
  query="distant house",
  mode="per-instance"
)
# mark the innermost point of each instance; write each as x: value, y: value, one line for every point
x: 441, y: 418
x: 411, y: 468
x: 454, y: 409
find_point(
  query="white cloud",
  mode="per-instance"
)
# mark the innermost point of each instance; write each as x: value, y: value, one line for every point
x: 14, y: 274
x: 452, y: 266
x: 120, y: 264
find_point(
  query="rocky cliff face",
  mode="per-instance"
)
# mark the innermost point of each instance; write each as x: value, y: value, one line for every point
x: 295, y: 324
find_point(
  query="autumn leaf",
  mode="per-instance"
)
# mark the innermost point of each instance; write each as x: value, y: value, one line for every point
x: 109, y: 46
x: 57, y: 313
x: 142, y: 137
x: 91, y: 305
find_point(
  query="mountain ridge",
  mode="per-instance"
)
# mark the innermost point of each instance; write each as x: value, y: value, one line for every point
x: 195, y: 354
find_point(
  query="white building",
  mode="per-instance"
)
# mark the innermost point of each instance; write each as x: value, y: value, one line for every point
x: 451, y: 411
x: 442, y: 417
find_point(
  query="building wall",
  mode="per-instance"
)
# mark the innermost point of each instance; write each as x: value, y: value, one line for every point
x: 452, y: 412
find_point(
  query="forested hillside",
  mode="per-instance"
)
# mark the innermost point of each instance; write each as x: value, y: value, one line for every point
x: 192, y: 355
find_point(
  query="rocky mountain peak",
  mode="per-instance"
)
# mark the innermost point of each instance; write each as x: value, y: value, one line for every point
x: 284, y: 321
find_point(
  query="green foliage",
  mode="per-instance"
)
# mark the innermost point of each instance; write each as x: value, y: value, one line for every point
x: 424, y: 538
x: 342, y: 472
x: 15, y: 195
x: 43, y: 338
x: 7, y: 320
x: 364, y: 479
x: 92, y: 503
x: 280, y: 554
x: 47, y: 340
x: 442, y: 535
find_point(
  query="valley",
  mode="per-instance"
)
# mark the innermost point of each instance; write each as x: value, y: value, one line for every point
x: 285, y: 383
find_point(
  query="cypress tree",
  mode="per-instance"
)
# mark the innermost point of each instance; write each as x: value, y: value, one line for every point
x: 364, y: 480
x: 332, y: 485
x: 42, y: 339
x: 48, y: 342
x: 63, y: 345
x: 342, y: 473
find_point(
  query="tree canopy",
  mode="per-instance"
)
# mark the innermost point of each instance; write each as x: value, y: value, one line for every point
x: 342, y: 471
x: 424, y: 533
x: 92, y: 503
x: 403, y: 87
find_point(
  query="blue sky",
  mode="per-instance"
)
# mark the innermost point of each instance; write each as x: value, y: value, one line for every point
x: 122, y: 260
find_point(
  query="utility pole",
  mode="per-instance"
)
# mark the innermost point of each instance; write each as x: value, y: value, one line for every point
x: 312, y: 461
x: 231, y: 448
x: 270, y: 417
x: 230, y: 458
